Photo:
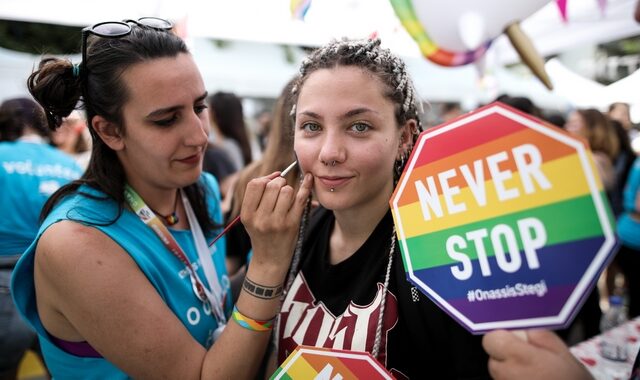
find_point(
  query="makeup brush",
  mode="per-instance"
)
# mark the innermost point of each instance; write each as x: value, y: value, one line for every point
x: 237, y: 218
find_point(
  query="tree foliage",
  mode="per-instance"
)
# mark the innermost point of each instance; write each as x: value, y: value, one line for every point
x: 38, y: 38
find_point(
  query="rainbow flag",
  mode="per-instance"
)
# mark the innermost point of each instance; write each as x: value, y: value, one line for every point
x: 502, y: 220
x: 313, y: 362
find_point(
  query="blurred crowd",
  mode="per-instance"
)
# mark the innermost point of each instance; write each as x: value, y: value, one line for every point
x: 244, y: 146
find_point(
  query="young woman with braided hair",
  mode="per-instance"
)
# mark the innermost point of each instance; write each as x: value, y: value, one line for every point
x: 356, y: 119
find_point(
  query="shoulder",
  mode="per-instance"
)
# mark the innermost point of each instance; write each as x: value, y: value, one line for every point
x: 86, y: 205
x: 70, y: 248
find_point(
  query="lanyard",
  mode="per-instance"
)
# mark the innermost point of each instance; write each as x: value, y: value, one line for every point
x: 213, y: 297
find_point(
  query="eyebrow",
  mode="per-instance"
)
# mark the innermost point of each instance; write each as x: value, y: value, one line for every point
x: 348, y: 114
x: 163, y: 111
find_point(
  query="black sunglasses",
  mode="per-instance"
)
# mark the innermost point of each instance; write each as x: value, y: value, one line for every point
x: 117, y: 29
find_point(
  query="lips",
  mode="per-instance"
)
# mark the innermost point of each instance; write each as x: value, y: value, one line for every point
x: 191, y: 160
x: 333, y: 182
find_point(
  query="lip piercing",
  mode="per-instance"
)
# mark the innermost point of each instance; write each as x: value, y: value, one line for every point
x: 332, y: 189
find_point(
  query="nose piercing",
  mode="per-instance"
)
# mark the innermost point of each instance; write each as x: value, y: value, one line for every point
x: 333, y: 163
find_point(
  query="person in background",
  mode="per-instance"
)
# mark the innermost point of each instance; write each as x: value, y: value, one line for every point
x: 229, y: 130
x: 521, y: 103
x: 622, y: 113
x: 356, y: 120
x: 555, y: 118
x: 229, y: 133
x: 217, y: 162
x: 120, y: 281
x: 30, y: 171
x: 277, y: 156
x: 628, y: 231
x: 72, y: 138
x: 621, y: 166
x: 597, y: 130
x: 264, y: 119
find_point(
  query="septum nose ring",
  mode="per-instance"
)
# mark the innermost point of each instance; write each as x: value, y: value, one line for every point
x: 333, y: 163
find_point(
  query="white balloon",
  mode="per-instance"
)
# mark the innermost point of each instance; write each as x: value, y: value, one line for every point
x: 443, y: 22
x: 471, y: 27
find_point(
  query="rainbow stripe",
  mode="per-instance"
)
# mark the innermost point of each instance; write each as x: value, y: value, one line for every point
x: 407, y: 15
x: 574, y: 213
x: 307, y: 362
x: 299, y: 8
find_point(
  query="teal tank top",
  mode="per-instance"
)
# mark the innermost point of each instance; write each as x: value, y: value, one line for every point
x: 628, y: 228
x: 163, y: 270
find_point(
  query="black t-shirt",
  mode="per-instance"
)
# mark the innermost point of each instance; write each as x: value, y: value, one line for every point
x: 217, y: 162
x: 338, y: 306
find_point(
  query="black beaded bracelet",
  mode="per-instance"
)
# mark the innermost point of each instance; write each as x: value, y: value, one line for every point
x: 264, y: 292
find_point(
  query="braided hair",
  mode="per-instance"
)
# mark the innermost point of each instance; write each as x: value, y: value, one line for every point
x: 368, y: 55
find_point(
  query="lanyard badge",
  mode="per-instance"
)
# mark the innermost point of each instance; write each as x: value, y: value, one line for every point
x: 214, y: 296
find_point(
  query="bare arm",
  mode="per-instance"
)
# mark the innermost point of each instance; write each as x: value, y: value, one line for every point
x: 89, y: 289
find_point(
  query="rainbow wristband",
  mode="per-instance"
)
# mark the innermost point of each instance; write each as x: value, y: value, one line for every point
x: 251, y: 324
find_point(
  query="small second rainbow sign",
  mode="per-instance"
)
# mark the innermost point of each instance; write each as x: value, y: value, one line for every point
x: 502, y: 220
x: 307, y: 362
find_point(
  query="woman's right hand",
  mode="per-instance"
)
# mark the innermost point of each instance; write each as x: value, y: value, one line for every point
x: 271, y: 213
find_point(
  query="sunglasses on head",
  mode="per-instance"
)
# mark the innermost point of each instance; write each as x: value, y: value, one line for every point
x: 117, y: 29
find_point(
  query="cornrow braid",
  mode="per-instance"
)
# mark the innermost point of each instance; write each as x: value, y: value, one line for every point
x: 367, y: 54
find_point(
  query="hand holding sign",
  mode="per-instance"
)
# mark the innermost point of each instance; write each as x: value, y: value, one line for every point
x: 502, y: 220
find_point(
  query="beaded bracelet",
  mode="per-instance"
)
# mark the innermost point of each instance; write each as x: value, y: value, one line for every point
x: 251, y: 324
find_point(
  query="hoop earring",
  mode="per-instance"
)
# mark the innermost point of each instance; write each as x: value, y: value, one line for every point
x: 399, y: 167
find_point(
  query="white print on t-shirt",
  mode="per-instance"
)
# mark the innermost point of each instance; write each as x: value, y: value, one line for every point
x: 44, y: 170
x: 305, y: 322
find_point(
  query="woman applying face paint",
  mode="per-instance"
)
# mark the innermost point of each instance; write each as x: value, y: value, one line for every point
x: 120, y: 281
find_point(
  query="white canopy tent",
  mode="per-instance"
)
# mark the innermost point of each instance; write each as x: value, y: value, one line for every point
x: 582, y: 92
x: 253, y: 63
x: 259, y: 70
x: 271, y: 20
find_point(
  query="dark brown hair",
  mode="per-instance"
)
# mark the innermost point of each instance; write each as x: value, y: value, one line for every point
x: 59, y: 89
x: 226, y: 110
x: 17, y: 114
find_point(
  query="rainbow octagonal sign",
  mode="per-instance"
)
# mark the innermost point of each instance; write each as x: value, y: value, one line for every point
x: 502, y: 220
x: 306, y: 362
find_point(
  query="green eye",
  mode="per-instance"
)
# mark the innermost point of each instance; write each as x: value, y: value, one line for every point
x: 310, y: 127
x: 360, y: 127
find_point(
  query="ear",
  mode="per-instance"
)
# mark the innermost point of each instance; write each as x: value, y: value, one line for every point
x: 109, y: 132
x: 406, y: 138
